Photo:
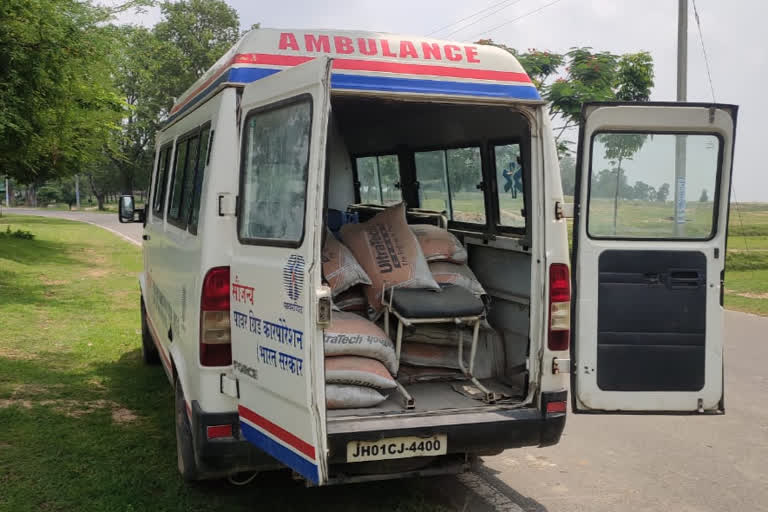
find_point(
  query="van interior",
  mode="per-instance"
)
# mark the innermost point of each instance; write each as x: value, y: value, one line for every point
x: 466, y: 167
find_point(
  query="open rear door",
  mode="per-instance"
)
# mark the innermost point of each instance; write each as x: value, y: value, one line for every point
x: 275, y: 274
x: 653, y: 183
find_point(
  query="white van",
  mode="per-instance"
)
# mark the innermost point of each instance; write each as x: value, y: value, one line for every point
x: 292, y: 128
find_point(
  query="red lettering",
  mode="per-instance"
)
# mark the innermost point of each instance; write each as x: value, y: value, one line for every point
x: 385, y: 51
x: 317, y: 44
x: 343, y: 44
x: 431, y: 50
x: 371, y: 49
x: 408, y: 50
x: 471, y: 54
x: 288, y: 42
x: 452, y: 52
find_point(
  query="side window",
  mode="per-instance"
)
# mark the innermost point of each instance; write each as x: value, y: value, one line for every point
x: 189, y: 180
x: 634, y: 193
x: 274, y: 174
x: 510, y: 185
x: 198, y: 182
x: 379, y: 179
x: 449, y: 180
x: 161, y: 179
x: 177, y: 180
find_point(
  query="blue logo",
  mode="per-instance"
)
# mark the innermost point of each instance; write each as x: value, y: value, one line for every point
x: 293, y: 277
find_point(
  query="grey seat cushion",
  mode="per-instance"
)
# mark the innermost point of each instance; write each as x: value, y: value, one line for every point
x: 451, y: 301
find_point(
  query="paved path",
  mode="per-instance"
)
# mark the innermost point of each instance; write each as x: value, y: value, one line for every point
x: 132, y: 232
x: 617, y: 463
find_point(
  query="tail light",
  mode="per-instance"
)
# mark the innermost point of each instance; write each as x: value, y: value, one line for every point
x: 215, y: 332
x: 559, y: 307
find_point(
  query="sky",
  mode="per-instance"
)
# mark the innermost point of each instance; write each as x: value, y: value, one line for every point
x: 735, y: 37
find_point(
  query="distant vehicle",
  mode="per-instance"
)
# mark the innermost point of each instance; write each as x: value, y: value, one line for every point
x: 291, y: 124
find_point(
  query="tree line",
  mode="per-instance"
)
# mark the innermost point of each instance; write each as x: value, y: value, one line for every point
x: 83, y: 95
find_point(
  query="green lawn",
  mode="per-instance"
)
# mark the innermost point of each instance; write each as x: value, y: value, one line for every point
x: 84, y: 425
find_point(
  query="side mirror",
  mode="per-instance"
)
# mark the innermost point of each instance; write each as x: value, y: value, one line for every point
x: 127, y: 211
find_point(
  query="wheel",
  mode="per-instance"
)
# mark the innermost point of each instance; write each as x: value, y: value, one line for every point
x: 149, y: 352
x: 185, y: 449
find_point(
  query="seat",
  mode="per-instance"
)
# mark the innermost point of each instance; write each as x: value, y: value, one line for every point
x: 452, y: 304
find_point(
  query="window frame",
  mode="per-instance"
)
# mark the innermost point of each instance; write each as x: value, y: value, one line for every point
x: 715, y: 201
x: 179, y: 221
x: 201, y: 128
x: 272, y: 242
x: 356, y: 176
x: 168, y: 147
x: 525, y: 156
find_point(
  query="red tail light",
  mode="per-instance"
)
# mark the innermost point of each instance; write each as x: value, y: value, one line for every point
x: 215, y: 333
x: 559, y: 307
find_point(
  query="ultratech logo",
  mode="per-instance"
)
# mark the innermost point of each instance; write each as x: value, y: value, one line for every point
x: 386, y: 252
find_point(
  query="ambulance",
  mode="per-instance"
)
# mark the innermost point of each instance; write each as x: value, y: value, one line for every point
x: 293, y: 130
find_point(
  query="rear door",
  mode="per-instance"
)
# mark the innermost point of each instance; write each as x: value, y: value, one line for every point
x: 653, y: 183
x: 275, y: 273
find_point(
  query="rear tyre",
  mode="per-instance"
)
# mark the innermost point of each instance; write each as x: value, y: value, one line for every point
x: 149, y: 352
x: 185, y: 449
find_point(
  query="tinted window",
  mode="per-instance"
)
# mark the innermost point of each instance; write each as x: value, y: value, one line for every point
x: 274, y: 174
x: 177, y: 180
x: 449, y: 180
x: 189, y: 179
x: 379, y: 179
x: 509, y: 179
x: 161, y: 179
x: 636, y: 192
x: 198, y: 182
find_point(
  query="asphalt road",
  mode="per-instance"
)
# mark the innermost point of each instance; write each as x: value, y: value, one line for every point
x: 617, y: 463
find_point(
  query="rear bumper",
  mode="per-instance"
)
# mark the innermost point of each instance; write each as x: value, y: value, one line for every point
x: 474, y: 433
x: 470, y: 433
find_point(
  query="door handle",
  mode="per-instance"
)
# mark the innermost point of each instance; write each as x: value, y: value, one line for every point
x: 685, y: 278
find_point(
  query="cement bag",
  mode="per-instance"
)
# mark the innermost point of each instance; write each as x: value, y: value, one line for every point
x: 341, y: 396
x: 436, y: 356
x: 439, y: 244
x: 351, y: 300
x: 360, y: 371
x: 416, y: 374
x: 353, y: 335
x: 438, y: 334
x: 459, y: 275
x: 388, y: 251
x: 340, y: 268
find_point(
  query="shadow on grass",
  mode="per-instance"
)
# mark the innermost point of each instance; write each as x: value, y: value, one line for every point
x: 35, y: 251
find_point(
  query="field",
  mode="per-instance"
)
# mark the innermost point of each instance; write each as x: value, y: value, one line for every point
x: 84, y: 425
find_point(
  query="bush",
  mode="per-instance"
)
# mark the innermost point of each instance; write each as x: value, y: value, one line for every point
x: 19, y: 233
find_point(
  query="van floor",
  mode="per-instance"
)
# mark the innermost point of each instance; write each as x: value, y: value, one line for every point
x: 434, y: 396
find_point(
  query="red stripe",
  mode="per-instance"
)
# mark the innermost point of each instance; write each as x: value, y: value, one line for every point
x: 268, y: 59
x: 277, y: 431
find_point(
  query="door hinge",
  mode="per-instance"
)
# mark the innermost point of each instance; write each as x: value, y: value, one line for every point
x: 227, y: 204
x: 563, y: 210
x: 324, y: 306
x: 561, y: 365
x: 229, y: 385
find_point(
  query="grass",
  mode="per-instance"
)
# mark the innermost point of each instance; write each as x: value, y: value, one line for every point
x: 84, y: 425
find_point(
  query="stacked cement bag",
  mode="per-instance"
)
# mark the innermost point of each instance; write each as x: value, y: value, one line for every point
x: 359, y: 362
x: 446, y: 272
x: 340, y: 268
x: 391, y: 255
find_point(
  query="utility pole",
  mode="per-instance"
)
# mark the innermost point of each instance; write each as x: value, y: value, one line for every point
x: 77, y: 190
x: 7, y: 193
x: 682, y: 95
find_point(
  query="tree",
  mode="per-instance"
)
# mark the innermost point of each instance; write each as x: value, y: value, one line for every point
x: 568, y: 174
x: 704, y: 196
x: 662, y: 193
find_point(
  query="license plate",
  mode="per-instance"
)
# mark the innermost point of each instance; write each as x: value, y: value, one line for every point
x: 397, y: 448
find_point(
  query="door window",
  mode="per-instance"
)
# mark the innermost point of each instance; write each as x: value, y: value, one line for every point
x: 177, y: 179
x: 198, y: 181
x: 449, y: 179
x: 510, y: 185
x: 653, y: 186
x: 274, y: 174
x: 379, y: 179
x: 189, y: 180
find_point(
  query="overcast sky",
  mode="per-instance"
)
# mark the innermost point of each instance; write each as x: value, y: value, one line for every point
x: 735, y: 35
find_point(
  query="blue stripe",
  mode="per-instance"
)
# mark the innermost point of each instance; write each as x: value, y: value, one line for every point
x: 280, y: 452
x: 396, y: 84
x: 380, y: 83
